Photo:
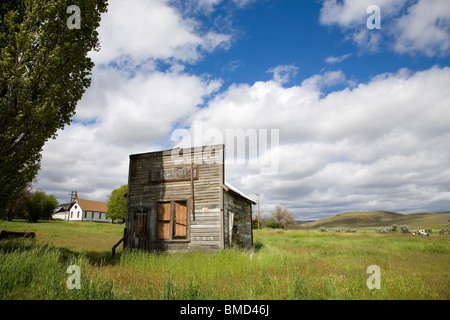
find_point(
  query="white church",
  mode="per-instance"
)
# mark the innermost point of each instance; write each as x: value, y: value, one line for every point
x: 83, y: 210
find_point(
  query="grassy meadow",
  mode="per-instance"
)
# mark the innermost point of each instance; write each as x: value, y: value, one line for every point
x: 282, y: 265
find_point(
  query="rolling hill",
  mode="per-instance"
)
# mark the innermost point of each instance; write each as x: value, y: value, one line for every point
x: 378, y: 219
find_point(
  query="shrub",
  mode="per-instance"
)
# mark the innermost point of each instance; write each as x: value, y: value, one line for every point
x: 349, y: 230
x: 404, y: 229
x: 41, y: 206
x: 394, y: 227
x: 323, y: 229
x: 272, y: 224
x: 384, y: 230
x: 283, y: 217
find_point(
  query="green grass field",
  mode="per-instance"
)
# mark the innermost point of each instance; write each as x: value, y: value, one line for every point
x: 295, y: 264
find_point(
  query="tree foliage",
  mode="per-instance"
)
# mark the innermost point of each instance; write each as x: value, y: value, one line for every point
x: 271, y: 223
x: 41, y: 206
x: 18, y: 208
x: 31, y: 205
x: 117, y: 204
x: 281, y: 218
x: 44, y: 71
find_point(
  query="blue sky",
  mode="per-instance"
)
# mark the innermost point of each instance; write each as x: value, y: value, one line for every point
x: 289, y: 32
x: 361, y: 115
x: 275, y: 33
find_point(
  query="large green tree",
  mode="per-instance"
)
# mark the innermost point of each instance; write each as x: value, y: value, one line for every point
x: 117, y: 204
x: 41, y: 206
x: 44, y: 71
x: 18, y: 208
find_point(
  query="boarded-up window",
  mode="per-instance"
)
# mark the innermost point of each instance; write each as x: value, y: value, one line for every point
x: 180, y: 219
x: 172, y: 220
x: 164, y: 220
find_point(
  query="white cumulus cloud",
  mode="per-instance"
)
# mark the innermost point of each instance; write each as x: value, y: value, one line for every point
x: 381, y: 142
x: 407, y: 27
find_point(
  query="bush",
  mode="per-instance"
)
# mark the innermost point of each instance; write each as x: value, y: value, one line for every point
x: 350, y: 230
x: 272, y: 224
x: 323, y: 229
x: 394, y: 227
x: 283, y: 217
x: 41, y: 206
x: 404, y: 229
x: 384, y: 230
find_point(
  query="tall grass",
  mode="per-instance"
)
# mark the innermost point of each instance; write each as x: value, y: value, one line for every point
x: 282, y: 265
x: 31, y: 271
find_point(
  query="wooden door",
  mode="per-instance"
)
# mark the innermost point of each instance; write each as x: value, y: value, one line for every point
x: 140, y: 221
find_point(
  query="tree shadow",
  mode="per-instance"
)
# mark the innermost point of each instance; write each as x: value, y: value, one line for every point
x: 66, y: 255
x: 257, y: 246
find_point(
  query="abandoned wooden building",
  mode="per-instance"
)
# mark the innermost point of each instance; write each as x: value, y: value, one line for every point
x: 178, y: 200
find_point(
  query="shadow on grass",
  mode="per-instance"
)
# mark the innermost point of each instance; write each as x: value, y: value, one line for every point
x: 95, y: 258
x: 257, y: 246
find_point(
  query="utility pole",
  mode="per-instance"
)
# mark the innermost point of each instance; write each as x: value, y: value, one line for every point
x: 258, y: 209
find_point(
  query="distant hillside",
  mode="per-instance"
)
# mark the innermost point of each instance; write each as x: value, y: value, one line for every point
x: 379, y: 218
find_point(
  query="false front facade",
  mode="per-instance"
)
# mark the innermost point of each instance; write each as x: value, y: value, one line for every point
x: 178, y: 200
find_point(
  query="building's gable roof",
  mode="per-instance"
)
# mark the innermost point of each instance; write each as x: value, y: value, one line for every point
x: 230, y: 188
x: 89, y: 205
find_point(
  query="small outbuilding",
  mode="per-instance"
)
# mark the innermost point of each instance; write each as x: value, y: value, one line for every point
x: 178, y: 200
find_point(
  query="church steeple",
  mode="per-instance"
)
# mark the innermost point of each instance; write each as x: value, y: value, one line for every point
x: 73, y: 196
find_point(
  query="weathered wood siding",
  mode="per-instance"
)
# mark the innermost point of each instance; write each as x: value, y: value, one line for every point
x: 238, y: 221
x: 205, y: 223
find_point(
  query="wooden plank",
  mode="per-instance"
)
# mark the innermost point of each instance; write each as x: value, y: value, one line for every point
x: 205, y: 226
x: 203, y: 219
x: 192, y: 189
x: 215, y: 244
x: 205, y: 238
x: 221, y: 200
x: 180, y: 219
x: 173, y: 174
x: 210, y: 220
x: 164, y: 220
x: 163, y: 230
